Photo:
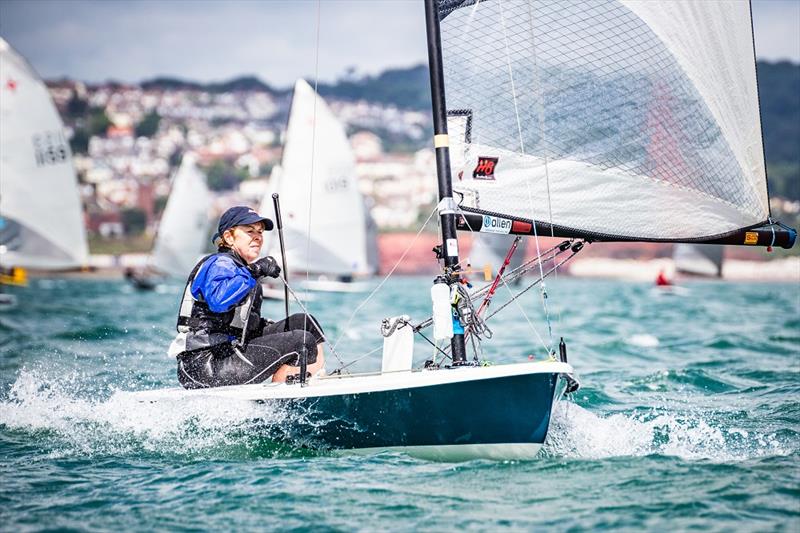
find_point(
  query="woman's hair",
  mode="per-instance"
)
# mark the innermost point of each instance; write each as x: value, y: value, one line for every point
x: 220, y: 243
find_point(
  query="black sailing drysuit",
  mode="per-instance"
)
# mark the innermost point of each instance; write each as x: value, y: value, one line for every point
x: 221, y: 297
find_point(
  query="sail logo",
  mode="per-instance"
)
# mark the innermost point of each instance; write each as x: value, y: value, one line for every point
x: 484, y: 170
x: 50, y: 148
x: 495, y: 225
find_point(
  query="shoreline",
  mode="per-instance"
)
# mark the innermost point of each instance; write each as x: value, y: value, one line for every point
x: 411, y: 254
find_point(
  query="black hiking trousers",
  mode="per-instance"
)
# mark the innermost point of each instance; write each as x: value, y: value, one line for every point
x: 278, y: 344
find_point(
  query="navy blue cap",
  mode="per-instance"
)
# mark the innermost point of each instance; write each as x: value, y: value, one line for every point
x: 238, y: 216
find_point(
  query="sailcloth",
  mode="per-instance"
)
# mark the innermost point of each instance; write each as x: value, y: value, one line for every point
x: 615, y: 118
x: 323, y: 212
x: 183, y: 233
x: 41, y: 218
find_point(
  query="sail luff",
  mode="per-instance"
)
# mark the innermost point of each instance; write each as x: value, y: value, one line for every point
x: 441, y: 147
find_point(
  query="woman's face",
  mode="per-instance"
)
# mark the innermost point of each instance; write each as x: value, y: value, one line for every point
x: 246, y: 240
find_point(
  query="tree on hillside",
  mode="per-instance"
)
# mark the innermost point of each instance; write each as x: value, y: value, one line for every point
x: 79, y: 143
x: 779, y: 88
x: 76, y: 107
x: 98, y: 122
x: 134, y: 220
x: 149, y: 125
x: 223, y: 176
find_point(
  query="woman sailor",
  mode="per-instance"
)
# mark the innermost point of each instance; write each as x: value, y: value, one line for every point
x: 222, y: 339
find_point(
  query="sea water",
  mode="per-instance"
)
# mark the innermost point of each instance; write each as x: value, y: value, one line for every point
x: 688, y: 418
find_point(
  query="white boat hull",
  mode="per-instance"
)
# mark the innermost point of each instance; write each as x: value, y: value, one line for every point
x: 458, y: 452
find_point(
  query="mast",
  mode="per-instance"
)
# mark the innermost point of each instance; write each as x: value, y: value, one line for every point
x: 441, y: 145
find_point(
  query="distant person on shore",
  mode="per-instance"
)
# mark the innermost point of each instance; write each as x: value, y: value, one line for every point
x: 222, y: 339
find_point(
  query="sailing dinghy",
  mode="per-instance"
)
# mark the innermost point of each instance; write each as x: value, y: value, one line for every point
x: 183, y: 233
x: 591, y: 121
x: 326, y: 221
x: 41, y: 216
x: 698, y: 260
x: 183, y: 230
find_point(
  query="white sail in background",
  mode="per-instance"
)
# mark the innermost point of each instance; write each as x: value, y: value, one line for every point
x: 491, y: 249
x: 267, y: 209
x: 317, y: 179
x: 618, y: 118
x: 703, y: 260
x: 41, y: 218
x: 371, y: 242
x: 183, y: 233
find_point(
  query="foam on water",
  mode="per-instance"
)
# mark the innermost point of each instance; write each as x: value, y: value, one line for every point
x: 55, y: 413
x: 578, y: 433
x: 643, y: 340
x: 120, y: 423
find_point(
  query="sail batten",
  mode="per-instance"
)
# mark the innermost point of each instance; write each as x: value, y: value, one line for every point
x: 631, y: 119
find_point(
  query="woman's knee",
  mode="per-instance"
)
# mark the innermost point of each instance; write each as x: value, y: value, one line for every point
x: 308, y: 323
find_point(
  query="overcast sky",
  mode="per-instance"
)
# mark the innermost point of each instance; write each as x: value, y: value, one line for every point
x: 211, y: 40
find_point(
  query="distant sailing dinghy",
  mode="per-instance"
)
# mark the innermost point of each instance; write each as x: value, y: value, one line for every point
x: 698, y: 260
x: 589, y: 120
x: 489, y: 249
x: 41, y: 217
x: 184, y: 231
x: 324, y: 214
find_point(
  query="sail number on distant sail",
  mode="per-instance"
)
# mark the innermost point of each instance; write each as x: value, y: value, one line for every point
x: 50, y: 148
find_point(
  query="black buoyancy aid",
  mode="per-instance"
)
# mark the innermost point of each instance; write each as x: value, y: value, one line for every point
x: 205, y: 328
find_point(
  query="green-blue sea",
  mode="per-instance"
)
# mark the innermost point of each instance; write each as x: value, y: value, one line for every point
x: 688, y: 418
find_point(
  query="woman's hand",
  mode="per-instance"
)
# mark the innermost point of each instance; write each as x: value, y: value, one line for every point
x: 266, y: 266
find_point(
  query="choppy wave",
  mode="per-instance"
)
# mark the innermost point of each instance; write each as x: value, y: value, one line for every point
x: 61, y: 419
x: 689, y: 419
x: 576, y: 432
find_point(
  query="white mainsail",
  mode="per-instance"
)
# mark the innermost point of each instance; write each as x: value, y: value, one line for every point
x: 183, y: 233
x: 41, y: 218
x: 618, y: 118
x: 323, y: 212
